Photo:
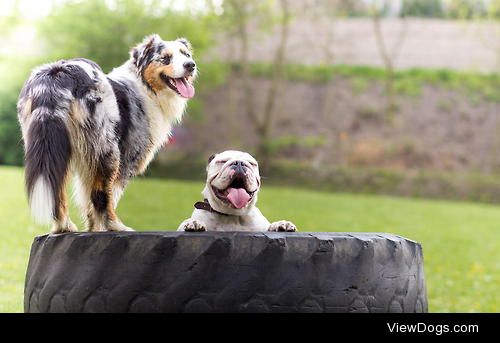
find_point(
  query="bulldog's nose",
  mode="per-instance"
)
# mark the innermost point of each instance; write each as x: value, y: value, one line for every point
x: 239, y: 167
x: 189, y: 66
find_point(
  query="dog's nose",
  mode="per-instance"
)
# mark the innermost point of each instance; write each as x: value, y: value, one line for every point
x: 239, y: 167
x: 189, y: 66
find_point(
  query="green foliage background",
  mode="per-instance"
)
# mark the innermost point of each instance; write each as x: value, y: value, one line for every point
x: 105, y: 34
x: 98, y: 31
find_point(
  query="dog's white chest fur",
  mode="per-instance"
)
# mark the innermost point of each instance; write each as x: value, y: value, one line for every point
x: 162, y: 113
x: 253, y: 221
x: 165, y: 111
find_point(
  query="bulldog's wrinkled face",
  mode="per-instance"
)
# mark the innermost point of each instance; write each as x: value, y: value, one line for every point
x: 233, y: 181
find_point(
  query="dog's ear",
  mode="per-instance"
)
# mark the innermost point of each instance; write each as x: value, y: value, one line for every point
x: 143, y: 53
x: 185, y: 42
x: 211, y: 158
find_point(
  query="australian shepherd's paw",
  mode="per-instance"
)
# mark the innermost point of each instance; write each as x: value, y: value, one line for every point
x: 69, y: 226
x: 117, y: 226
x: 193, y: 225
x: 282, y: 226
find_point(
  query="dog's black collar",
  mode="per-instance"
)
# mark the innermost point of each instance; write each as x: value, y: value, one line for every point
x: 205, y: 206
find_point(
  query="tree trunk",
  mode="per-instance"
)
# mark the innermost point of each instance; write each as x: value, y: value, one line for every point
x: 264, y: 129
x: 390, y: 105
x: 331, y: 146
x: 242, y: 34
x: 388, y: 59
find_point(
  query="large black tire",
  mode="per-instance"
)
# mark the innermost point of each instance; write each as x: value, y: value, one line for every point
x: 225, y: 272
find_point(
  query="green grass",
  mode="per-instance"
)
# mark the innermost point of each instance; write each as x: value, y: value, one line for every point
x: 461, y: 241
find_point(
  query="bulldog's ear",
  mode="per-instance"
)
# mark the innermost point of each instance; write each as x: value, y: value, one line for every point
x: 211, y: 158
x: 185, y: 42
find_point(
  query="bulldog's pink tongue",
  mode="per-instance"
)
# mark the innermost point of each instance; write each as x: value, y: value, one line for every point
x: 185, y: 88
x: 238, y: 197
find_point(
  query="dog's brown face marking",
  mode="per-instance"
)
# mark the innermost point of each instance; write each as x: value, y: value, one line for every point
x: 162, y: 65
x: 152, y: 75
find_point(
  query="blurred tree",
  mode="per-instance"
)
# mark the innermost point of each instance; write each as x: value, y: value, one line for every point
x: 104, y: 31
x: 351, y: 8
x: 466, y: 9
x: 11, y: 148
x: 423, y: 8
x: 347, y: 8
x: 491, y: 39
x: 493, y: 36
x: 388, y: 55
x: 331, y: 10
x: 11, y: 151
x: 494, y: 9
x: 264, y: 128
x: 238, y: 15
x: 9, y: 21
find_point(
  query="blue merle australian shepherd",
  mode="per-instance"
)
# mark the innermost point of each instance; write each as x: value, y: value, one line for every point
x: 102, y: 129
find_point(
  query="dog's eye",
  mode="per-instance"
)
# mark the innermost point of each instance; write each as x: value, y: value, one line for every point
x: 165, y: 59
x: 253, y: 164
x: 221, y: 162
x: 185, y: 53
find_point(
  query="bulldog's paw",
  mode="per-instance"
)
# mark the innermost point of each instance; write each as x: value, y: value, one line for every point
x: 193, y: 225
x: 282, y: 226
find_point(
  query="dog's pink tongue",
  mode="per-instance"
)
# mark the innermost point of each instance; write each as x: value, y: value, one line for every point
x: 238, y: 197
x: 185, y: 88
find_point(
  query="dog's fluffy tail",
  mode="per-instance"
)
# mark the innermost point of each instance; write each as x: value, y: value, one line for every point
x: 48, y: 152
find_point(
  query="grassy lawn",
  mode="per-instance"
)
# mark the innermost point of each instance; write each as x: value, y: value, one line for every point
x: 461, y: 241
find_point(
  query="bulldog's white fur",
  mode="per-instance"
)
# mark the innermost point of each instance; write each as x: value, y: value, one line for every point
x: 223, y: 174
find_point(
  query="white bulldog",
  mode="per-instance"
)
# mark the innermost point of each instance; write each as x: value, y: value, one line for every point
x: 233, y: 182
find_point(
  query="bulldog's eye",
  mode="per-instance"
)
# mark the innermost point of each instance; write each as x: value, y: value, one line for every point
x: 253, y: 164
x: 221, y: 162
